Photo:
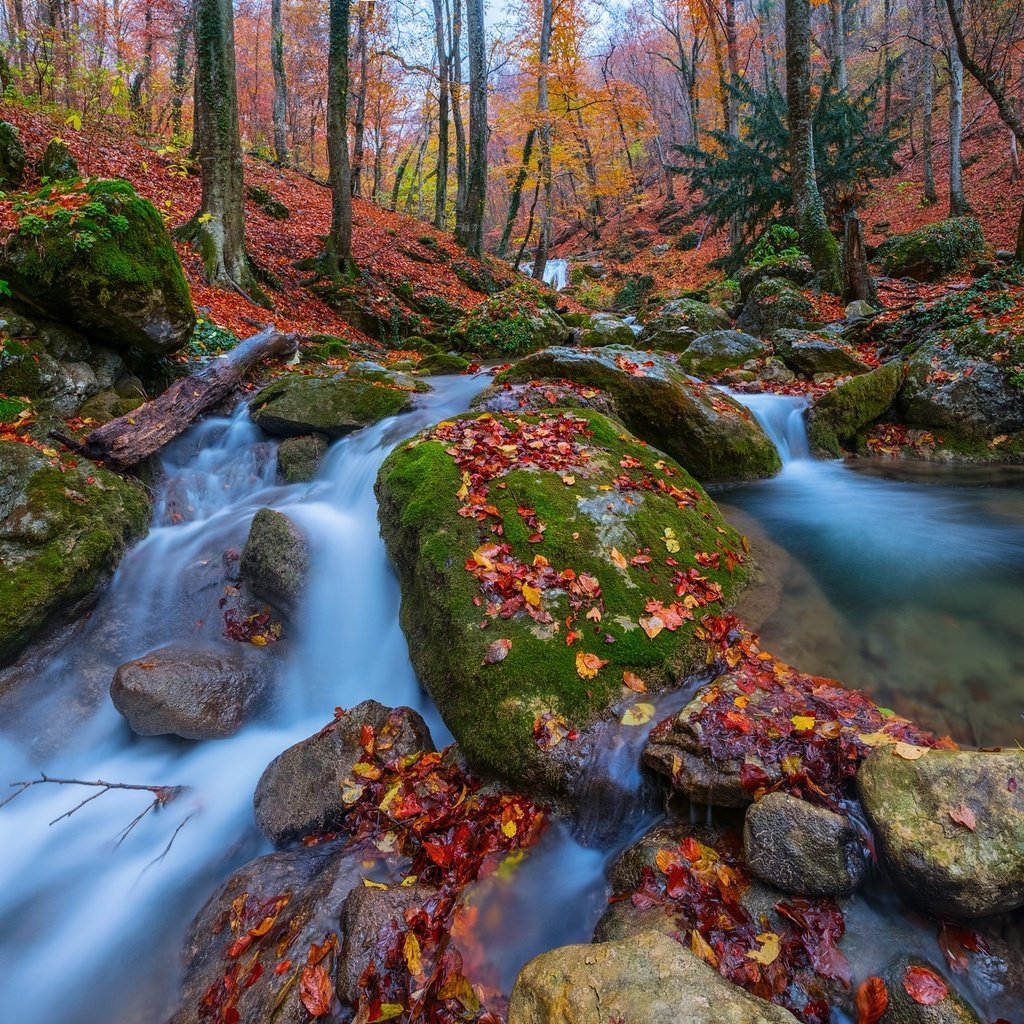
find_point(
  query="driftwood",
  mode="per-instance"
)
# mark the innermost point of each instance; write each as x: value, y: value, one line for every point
x: 126, y: 441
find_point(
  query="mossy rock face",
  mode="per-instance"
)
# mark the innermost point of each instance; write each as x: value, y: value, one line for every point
x: 112, y: 272
x: 441, y: 363
x: 709, y: 433
x: 949, y: 827
x: 275, y: 560
x: 298, y: 458
x: 795, y: 268
x: 809, y: 353
x: 605, y: 329
x: 848, y: 408
x: 962, y: 381
x: 486, y: 615
x: 933, y: 251
x: 679, y: 322
x: 774, y: 305
x: 711, y: 353
x: 60, y: 537
x: 57, y: 163
x: 295, y: 405
x: 514, y: 322
x: 12, y: 157
x: 264, y: 200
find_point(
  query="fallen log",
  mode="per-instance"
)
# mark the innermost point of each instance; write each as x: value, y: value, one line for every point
x: 126, y: 441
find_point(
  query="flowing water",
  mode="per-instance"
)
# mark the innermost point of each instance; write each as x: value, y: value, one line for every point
x: 556, y: 272
x: 93, y: 930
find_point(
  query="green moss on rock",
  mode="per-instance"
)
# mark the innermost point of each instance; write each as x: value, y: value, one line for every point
x: 840, y: 413
x: 441, y: 363
x: 57, y: 162
x: 933, y: 251
x: 12, y: 157
x: 773, y: 305
x: 514, y: 322
x: 675, y: 325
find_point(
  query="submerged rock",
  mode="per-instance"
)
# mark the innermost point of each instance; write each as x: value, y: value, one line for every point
x: 708, y: 432
x: 275, y: 560
x: 851, y: 406
x: 802, y: 849
x: 645, y: 979
x: 298, y: 458
x: 950, y: 827
x: 678, y: 323
x: 709, y: 354
x: 197, y: 693
x: 300, y: 792
x: 295, y: 405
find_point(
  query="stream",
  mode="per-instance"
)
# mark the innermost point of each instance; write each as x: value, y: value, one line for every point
x: 919, y: 585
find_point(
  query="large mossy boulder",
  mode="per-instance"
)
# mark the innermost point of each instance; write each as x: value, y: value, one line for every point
x: 63, y: 529
x: 605, y: 329
x: 275, y: 560
x: 933, y: 251
x: 721, y: 350
x: 514, y: 322
x: 676, y: 324
x: 809, y: 353
x: 104, y: 263
x: 12, y: 157
x: 646, y: 979
x: 523, y: 637
x: 949, y: 827
x: 58, y: 163
x: 334, y: 406
x: 840, y: 413
x: 774, y: 305
x: 708, y: 432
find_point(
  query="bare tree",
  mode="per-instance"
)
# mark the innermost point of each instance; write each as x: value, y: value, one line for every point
x: 280, y: 105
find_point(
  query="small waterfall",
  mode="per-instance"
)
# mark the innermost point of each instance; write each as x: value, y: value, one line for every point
x: 632, y: 323
x: 556, y: 273
x: 783, y: 419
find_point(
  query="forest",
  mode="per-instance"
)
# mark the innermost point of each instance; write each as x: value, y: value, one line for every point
x: 512, y: 513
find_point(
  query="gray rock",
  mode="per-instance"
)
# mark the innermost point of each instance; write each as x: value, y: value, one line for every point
x: 775, y: 371
x: 774, y: 305
x: 945, y: 865
x: 708, y: 354
x: 12, y: 157
x: 198, y: 693
x: 57, y: 162
x: 849, y: 407
x: 676, y: 324
x: 859, y: 309
x: 934, y: 250
x: 810, y: 354
x: 903, y: 1009
x: 646, y: 979
x: 300, y: 792
x: 605, y: 329
x: 802, y: 849
x: 298, y: 458
x: 275, y: 560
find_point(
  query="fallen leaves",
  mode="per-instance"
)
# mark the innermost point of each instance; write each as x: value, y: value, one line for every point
x: 963, y: 815
x: 316, y: 991
x: 549, y: 729
x: 588, y: 665
x: 924, y: 986
x: 497, y: 651
x: 638, y: 714
x: 872, y: 1000
x: 771, y: 946
x: 633, y: 682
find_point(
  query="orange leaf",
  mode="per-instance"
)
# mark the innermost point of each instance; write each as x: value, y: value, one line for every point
x: 315, y: 991
x: 634, y: 682
x: 924, y: 986
x: 618, y: 558
x: 496, y: 651
x: 963, y: 815
x: 587, y: 665
x: 872, y: 1000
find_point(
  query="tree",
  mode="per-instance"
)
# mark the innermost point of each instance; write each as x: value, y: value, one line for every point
x: 280, y: 107
x: 441, y: 180
x: 818, y: 242
x: 339, y: 243
x: 544, y: 114
x: 472, y: 228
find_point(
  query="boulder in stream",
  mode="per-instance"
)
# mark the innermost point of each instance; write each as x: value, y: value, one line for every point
x: 950, y: 827
x: 275, y: 560
x: 675, y: 326
x: 941, y: 1004
x: 810, y: 353
x: 840, y: 413
x: 298, y: 458
x: 709, y: 354
x: 605, y: 329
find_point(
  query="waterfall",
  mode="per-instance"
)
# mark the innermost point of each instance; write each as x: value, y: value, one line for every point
x: 783, y: 419
x: 556, y: 273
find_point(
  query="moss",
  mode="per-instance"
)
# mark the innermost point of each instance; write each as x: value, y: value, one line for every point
x: 57, y: 163
x: 934, y: 250
x: 12, y: 156
x: 441, y: 363
x: 263, y: 200
x: 491, y: 709
x: 842, y: 412
x: 298, y: 458
x: 511, y: 323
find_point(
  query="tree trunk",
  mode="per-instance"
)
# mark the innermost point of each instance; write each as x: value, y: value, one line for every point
x: 927, y: 103
x: 340, y: 242
x: 399, y: 175
x: 818, y: 242
x: 544, y: 112
x: 441, y: 182
x: 359, y: 135
x: 957, y: 200
x: 839, y: 43
x: 280, y: 107
x: 455, y: 85
x: 139, y: 92
x: 126, y: 441
x: 476, y: 182
x: 857, y: 280
x: 178, y: 75
x: 515, y: 196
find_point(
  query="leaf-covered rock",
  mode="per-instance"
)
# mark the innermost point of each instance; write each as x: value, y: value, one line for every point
x: 933, y: 251
x: 513, y: 322
x: 841, y: 412
x: 676, y: 324
x: 919, y: 993
x: 774, y: 305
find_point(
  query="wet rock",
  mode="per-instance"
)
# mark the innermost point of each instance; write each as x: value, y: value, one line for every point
x: 296, y: 405
x: 811, y: 354
x: 298, y: 458
x: 367, y: 916
x: 708, y: 354
x: 61, y: 536
x: 851, y: 406
x: 713, y: 436
x: 933, y: 251
x: 950, y: 827
x: 859, y: 309
x: 305, y: 889
x: 300, y: 792
x: 12, y: 157
x: 904, y: 1009
x: 57, y: 163
x: 774, y: 305
x: 646, y: 979
x: 198, y: 693
x: 127, y: 289
x: 678, y: 323
x: 275, y: 560
x: 775, y: 371
x: 605, y: 329
x: 541, y: 396
x: 441, y: 363
x: 802, y: 849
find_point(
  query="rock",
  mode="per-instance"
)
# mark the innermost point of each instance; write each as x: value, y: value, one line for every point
x: 954, y: 868
x: 514, y: 322
x: 713, y: 436
x: 126, y: 289
x: 710, y: 353
x: 954, y: 383
x: 298, y: 458
x: 303, y: 892
x: 605, y: 329
x: 676, y: 324
x: 775, y: 371
x: 811, y: 354
x: 803, y: 849
x: 57, y: 163
x: 296, y: 405
x: 796, y: 269
x: 933, y: 251
x: 368, y: 914
x: 774, y: 305
x: 441, y: 363
x: 541, y: 396
x: 646, y: 979
x: 264, y: 200
x: 300, y: 792
x: 275, y: 560
x: 12, y: 157
x: 197, y: 693
x: 661, y: 248
x: 594, y: 269
x: 903, y: 1009
x: 859, y: 309
x: 491, y: 697
x: 849, y: 407
x: 61, y: 537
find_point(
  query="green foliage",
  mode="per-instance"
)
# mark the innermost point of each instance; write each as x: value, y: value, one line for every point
x: 748, y: 178
x: 632, y: 293
x: 10, y: 408
x: 778, y: 245
x: 209, y: 339
x: 506, y: 323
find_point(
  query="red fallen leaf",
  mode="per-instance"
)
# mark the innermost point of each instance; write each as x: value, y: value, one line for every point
x: 315, y: 991
x: 254, y: 975
x: 872, y: 1000
x: 1012, y: 785
x: 366, y: 736
x: 963, y: 815
x: 497, y: 651
x: 283, y: 966
x: 924, y: 986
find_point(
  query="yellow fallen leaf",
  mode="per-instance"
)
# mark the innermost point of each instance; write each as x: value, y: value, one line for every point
x: 587, y: 665
x: 875, y: 739
x: 412, y: 955
x: 802, y: 722
x: 483, y: 555
x: 50, y: 453
x: 638, y: 714
x: 594, y: 615
x: 463, y: 492
x: 568, y: 480
x: 388, y: 1011
x: 508, y: 828
x: 531, y: 595
x: 652, y: 625
x: 771, y: 946
x: 700, y: 946
x: 671, y: 544
x: 619, y: 559
x: 909, y: 751
x: 370, y: 884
